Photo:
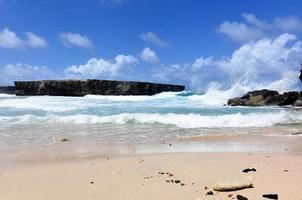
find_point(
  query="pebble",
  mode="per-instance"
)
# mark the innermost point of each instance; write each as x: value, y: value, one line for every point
x: 249, y: 170
x: 65, y: 140
x: 240, y: 197
x: 210, y: 193
x: 270, y: 196
x: 177, y: 181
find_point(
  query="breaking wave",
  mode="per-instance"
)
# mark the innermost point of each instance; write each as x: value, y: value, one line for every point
x: 179, y: 120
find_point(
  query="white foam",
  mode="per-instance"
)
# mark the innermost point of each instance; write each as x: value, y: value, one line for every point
x: 179, y: 120
x: 162, y: 95
x: 45, y: 103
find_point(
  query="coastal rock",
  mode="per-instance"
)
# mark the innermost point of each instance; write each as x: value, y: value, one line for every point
x: 7, y: 89
x: 267, y: 98
x: 92, y: 86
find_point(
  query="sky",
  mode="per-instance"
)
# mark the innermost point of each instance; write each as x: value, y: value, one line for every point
x: 202, y: 44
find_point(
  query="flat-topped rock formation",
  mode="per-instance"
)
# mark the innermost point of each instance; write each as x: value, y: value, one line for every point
x: 7, y: 89
x: 91, y: 86
x: 267, y: 98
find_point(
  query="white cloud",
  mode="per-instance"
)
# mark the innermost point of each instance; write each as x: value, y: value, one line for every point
x: 19, y: 71
x: 153, y: 38
x: 149, y: 55
x: 201, y: 62
x: 240, y: 32
x: 290, y: 23
x: 101, y: 68
x: 252, y: 28
x: 35, y: 41
x: 9, y: 39
x: 75, y: 39
x: 253, y: 20
x: 266, y: 63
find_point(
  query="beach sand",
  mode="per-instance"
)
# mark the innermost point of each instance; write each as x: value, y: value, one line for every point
x: 136, y: 177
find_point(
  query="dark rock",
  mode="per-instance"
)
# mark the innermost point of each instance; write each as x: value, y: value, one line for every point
x: 177, y: 181
x: 300, y: 76
x: 91, y: 86
x: 270, y: 196
x: 210, y: 193
x: 249, y: 170
x: 267, y: 98
x: 182, y: 184
x: 65, y: 140
x: 240, y: 197
x: 7, y: 89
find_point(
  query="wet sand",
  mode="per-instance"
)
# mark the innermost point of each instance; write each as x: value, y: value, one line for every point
x: 179, y: 169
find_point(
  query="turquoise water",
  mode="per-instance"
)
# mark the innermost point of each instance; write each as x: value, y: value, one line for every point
x: 184, y: 110
x: 33, y: 121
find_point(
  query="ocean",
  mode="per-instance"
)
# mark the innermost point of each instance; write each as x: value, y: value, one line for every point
x: 180, y: 117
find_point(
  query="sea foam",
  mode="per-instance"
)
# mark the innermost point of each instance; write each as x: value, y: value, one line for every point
x: 178, y: 120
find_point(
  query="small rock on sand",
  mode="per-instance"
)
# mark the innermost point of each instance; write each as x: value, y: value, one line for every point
x: 65, y: 140
x: 240, y: 197
x: 209, y: 193
x: 249, y: 170
x: 270, y: 196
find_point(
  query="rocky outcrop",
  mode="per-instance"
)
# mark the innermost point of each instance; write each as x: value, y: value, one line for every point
x: 91, y: 86
x: 7, y: 89
x: 267, y: 98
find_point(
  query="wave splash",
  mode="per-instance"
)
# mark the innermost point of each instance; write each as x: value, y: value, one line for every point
x: 178, y: 120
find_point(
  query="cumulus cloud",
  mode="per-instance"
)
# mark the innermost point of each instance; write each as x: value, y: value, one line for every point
x: 266, y: 63
x: 20, y: 71
x: 102, y: 68
x: 290, y: 23
x: 153, y: 39
x: 149, y: 55
x: 253, y: 29
x: 75, y: 39
x: 240, y: 32
x: 35, y: 41
x: 10, y: 40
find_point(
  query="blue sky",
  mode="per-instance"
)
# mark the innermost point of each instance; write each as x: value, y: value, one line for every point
x: 196, y: 43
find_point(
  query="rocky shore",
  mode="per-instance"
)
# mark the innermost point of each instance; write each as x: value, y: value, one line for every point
x: 267, y: 98
x: 7, y: 89
x: 92, y: 86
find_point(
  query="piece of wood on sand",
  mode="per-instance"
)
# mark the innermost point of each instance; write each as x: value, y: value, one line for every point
x: 231, y: 186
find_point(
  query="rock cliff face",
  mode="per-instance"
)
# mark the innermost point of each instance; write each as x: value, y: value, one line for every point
x: 90, y: 86
x: 7, y: 89
x: 267, y: 98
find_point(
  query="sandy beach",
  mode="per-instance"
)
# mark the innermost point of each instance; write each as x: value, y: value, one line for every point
x: 150, y: 177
